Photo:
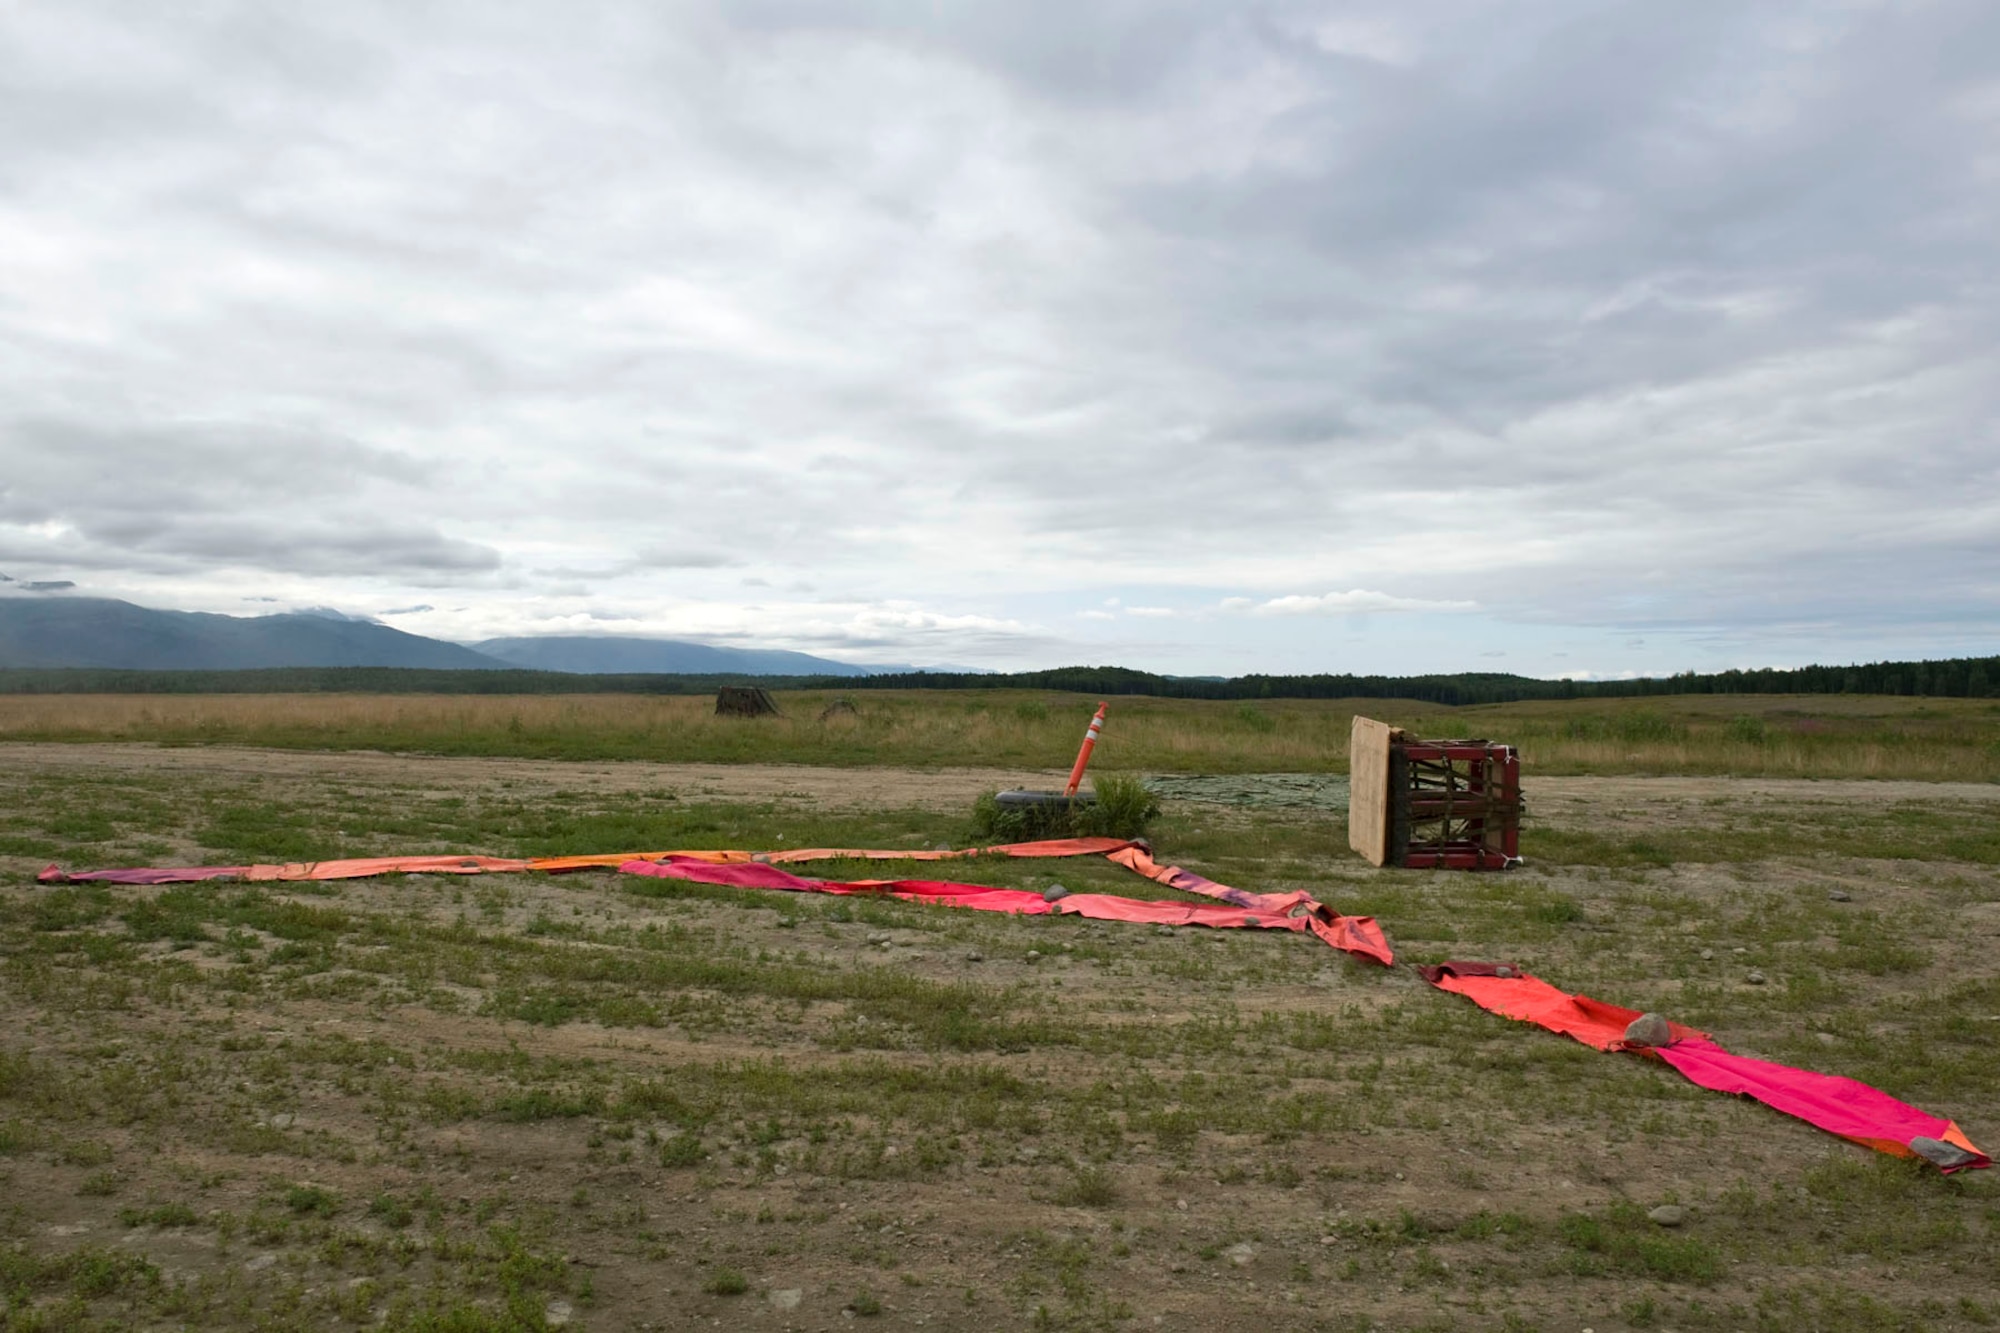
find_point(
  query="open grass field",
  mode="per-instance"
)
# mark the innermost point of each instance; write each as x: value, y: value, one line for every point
x: 1751, y: 735
x: 516, y: 1103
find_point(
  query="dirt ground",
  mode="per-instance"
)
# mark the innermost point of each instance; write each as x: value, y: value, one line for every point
x: 916, y: 788
x: 540, y: 1102
x: 833, y: 788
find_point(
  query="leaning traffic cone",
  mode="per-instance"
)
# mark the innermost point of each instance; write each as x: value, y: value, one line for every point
x: 1083, y: 754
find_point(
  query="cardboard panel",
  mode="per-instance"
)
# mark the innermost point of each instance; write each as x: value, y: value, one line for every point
x: 1368, y: 799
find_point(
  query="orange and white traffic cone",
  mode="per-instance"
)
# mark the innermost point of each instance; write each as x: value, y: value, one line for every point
x: 1083, y: 755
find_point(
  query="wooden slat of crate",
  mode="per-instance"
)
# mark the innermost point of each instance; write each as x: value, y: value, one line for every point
x: 1368, y: 797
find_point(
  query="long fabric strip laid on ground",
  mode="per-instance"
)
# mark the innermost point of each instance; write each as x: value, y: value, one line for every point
x: 1840, y: 1106
x: 1358, y: 935
x: 1274, y: 912
x: 1837, y: 1105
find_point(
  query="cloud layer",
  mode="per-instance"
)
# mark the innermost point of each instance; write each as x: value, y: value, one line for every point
x: 1318, y: 336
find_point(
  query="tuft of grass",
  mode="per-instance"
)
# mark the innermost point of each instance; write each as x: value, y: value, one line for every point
x: 1090, y: 1187
x: 100, y: 1184
x: 681, y: 1152
x: 312, y: 1200
x: 159, y: 1215
x: 391, y: 1211
x: 726, y: 1282
x: 1624, y: 1241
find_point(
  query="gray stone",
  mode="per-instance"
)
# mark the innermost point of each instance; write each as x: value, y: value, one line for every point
x: 1755, y: 978
x: 1648, y: 1030
x: 975, y: 957
x: 558, y: 1313
x: 878, y: 937
x: 1503, y: 971
x: 1054, y: 893
x: 1668, y: 1215
x: 787, y: 1298
x: 1946, y: 1156
x: 1241, y: 1254
x: 1034, y: 955
x: 260, y: 1263
x: 1839, y: 896
x: 1708, y: 955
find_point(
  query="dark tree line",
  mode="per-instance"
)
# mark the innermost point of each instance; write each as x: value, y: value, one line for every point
x: 1975, y: 677
x: 1965, y: 677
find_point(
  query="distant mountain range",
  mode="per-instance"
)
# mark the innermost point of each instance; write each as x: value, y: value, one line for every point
x: 41, y: 630
x: 594, y: 655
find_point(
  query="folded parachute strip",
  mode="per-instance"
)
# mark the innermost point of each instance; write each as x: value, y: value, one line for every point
x: 1289, y: 911
x: 1235, y: 908
x: 1842, y: 1106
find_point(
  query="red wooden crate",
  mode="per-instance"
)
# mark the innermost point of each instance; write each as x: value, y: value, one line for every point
x: 1454, y: 804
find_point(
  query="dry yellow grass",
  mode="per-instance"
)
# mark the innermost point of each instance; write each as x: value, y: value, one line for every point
x: 1766, y: 735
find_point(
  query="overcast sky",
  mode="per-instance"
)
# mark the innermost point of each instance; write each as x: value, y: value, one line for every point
x: 1562, y: 338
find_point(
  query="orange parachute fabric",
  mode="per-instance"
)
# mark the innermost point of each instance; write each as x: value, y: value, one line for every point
x: 1842, y: 1106
x: 1361, y: 936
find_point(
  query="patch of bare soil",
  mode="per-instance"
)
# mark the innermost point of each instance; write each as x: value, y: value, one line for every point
x: 828, y: 788
x: 1568, y: 796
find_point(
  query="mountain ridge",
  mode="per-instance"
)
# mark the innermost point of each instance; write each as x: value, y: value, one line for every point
x: 45, y: 629
x: 42, y: 631
x: 612, y: 654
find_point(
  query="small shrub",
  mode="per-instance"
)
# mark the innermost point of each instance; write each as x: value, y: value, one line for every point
x: 391, y: 1210
x: 1091, y: 1187
x: 1122, y: 808
x: 726, y: 1282
x: 1749, y: 730
x: 164, y: 1215
x: 866, y: 1304
x: 682, y: 1151
x: 84, y: 1152
x: 99, y: 1184
x: 312, y: 1199
x: 1252, y: 718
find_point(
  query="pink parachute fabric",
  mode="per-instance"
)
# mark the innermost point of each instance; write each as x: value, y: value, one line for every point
x: 1298, y: 912
x: 1276, y: 913
x: 1842, y: 1106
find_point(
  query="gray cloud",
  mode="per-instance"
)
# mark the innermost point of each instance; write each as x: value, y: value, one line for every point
x: 1679, y: 324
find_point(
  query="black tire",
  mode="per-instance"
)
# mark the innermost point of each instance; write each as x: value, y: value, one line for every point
x: 1043, y: 800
